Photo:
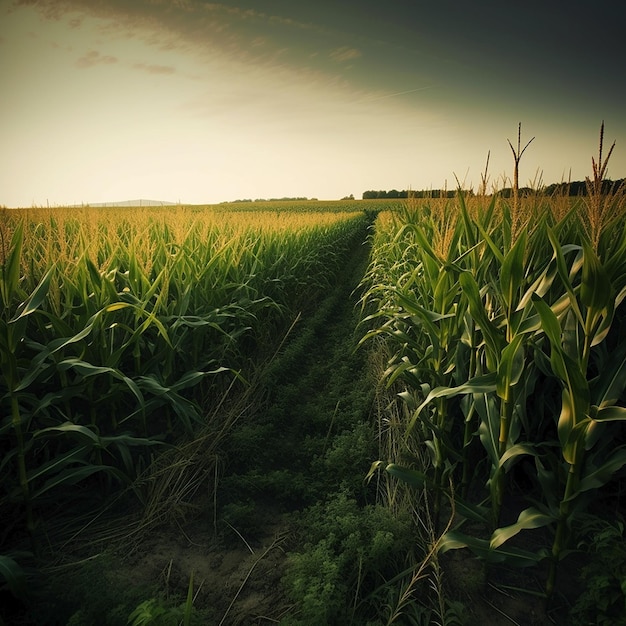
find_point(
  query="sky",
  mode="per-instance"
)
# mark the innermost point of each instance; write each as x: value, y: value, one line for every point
x: 202, y: 102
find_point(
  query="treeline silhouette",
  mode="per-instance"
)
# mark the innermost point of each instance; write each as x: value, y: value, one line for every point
x: 285, y: 199
x: 411, y: 193
x: 574, y: 188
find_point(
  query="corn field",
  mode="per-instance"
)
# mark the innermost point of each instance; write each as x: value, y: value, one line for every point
x: 505, y: 326
x: 121, y: 330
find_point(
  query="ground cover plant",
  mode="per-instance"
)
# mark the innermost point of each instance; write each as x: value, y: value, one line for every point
x: 504, y: 323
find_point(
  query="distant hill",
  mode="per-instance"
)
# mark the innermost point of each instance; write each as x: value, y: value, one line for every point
x: 140, y: 202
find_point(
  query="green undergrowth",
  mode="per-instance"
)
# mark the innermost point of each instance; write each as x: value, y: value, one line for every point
x: 98, y: 592
x: 307, y: 451
x: 312, y: 432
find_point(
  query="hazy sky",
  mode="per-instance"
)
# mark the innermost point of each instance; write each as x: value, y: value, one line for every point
x: 198, y: 102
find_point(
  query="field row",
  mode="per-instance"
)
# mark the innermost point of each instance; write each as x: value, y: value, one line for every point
x: 505, y: 331
x: 120, y: 331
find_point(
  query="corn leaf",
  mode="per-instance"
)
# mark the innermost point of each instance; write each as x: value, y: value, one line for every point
x: 512, y: 270
x: 479, y: 384
x: 10, y: 270
x: 528, y: 519
x: 510, y: 368
x: 600, y: 476
x: 35, y: 300
x: 595, y: 286
x: 455, y: 540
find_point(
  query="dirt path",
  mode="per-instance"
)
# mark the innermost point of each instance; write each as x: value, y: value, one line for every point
x: 281, y: 458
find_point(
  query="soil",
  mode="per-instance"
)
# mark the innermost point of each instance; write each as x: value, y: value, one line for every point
x: 236, y: 578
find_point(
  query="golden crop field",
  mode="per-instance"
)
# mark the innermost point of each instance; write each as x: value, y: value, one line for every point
x: 121, y: 328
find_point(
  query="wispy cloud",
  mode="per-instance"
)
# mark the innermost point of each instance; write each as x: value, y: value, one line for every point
x: 395, y: 94
x: 155, y: 69
x: 93, y: 57
x: 344, y: 54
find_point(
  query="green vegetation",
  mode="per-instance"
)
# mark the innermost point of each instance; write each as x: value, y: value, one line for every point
x: 506, y: 339
x: 197, y: 404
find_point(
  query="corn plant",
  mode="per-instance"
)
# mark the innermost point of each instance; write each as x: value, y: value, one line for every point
x: 120, y: 333
x: 528, y: 295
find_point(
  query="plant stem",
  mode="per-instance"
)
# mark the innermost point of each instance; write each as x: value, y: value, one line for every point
x: 16, y: 420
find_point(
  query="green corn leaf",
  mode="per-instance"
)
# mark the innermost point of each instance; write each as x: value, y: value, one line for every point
x: 489, y: 427
x: 411, y: 305
x: 528, y: 519
x: 82, y: 433
x: 189, y: 603
x: 549, y: 322
x: 413, y: 478
x: 564, y: 273
x: 399, y: 370
x: 610, y: 414
x: 123, y: 444
x: 59, y: 344
x: 375, y: 467
x: 35, y: 300
x: 10, y: 270
x: 541, y: 285
x: 601, y: 331
x: 39, y: 369
x: 455, y: 540
x: 495, y: 249
x: 608, y: 388
x: 479, y: 384
x: 116, y: 306
x: 600, y: 476
x: 510, y: 368
x: 92, y: 270
x: 595, y: 286
x: 512, y: 270
x: 422, y: 240
x: 573, y: 424
x: 494, y: 338
x: 86, y: 370
x: 194, y: 377
x: 75, y: 474
x: 515, y: 452
x: 57, y: 463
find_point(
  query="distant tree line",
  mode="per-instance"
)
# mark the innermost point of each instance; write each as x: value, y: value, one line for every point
x: 575, y: 188
x: 410, y: 193
x: 271, y: 200
x: 579, y: 187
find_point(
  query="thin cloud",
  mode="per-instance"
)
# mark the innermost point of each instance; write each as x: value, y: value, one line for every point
x: 155, y: 69
x: 93, y: 58
x: 396, y: 93
x: 343, y: 54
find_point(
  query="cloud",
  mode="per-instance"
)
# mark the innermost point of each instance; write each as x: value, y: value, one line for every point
x: 280, y: 45
x: 344, y: 54
x: 155, y: 69
x: 93, y: 58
